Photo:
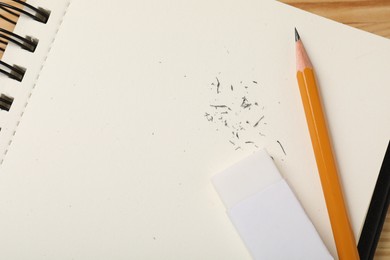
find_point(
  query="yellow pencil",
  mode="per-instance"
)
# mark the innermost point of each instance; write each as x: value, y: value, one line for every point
x: 326, y: 164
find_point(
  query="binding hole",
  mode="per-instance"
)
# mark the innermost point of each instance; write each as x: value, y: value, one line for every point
x: 14, y: 72
x: 40, y: 14
x: 5, y: 102
x: 28, y: 43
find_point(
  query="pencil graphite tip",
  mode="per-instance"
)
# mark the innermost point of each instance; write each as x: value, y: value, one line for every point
x: 297, y: 37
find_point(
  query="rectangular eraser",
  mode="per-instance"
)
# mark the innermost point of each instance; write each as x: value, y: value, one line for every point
x: 246, y: 178
x: 266, y: 213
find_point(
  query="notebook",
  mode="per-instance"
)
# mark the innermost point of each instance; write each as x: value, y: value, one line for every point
x: 127, y: 109
x: 377, y: 211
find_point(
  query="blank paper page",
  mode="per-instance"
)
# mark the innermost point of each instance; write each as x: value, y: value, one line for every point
x: 141, y: 102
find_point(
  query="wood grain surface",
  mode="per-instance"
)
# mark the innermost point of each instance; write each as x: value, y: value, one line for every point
x: 371, y: 16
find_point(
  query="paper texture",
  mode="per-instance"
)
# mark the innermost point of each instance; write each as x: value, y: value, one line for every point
x: 114, y: 153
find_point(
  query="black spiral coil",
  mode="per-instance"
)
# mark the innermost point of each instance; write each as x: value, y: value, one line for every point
x: 27, y: 42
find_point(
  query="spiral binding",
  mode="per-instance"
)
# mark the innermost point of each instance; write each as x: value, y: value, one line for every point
x: 27, y: 43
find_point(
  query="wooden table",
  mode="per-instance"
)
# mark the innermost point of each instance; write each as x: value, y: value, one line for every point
x: 371, y: 16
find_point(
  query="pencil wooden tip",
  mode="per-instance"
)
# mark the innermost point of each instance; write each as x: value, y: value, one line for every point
x: 303, y: 60
x: 297, y: 37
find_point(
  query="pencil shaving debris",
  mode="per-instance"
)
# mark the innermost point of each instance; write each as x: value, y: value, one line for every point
x: 209, y: 117
x: 220, y: 106
x: 245, y: 103
x: 257, y: 123
x: 281, y: 146
x: 218, y: 85
x: 236, y: 107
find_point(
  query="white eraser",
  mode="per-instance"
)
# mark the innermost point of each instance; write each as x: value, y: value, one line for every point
x: 245, y: 178
x: 266, y: 213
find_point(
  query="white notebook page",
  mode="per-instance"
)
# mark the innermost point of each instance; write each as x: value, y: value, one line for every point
x: 115, y: 150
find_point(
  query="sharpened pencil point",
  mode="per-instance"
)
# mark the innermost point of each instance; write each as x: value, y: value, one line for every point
x: 297, y: 37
